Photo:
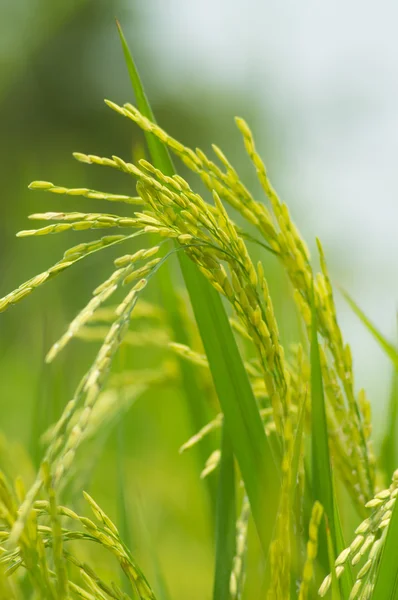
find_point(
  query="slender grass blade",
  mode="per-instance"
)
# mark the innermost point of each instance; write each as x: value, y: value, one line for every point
x: 225, y: 521
x: 162, y: 160
x: 242, y: 417
x: 158, y: 151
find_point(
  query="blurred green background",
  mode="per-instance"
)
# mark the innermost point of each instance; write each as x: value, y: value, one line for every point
x: 202, y: 63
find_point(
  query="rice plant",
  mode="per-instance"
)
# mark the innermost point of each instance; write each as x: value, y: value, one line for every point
x: 295, y: 431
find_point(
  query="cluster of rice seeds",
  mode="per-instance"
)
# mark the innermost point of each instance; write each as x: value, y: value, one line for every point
x: 30, y: 552
x: 281, y: 546
x: 75, y: 222
x: 62, y: 449
x: 205, y: 232
x: 359, y: 408
x: 72, y: 221
x: 295, y: 257
x: 108, y: 536
x: 47, y: 186
x: 70, y: 257
x: 57, y: 544
x: 95, y: 378
x: 36, y: 538
x: 283, y: 237
x: 368, y: 542
x: 339, y: 426
x: 244, y: 287
x: 210, y: 238
x: 227, y: 184
x: 124, y: 273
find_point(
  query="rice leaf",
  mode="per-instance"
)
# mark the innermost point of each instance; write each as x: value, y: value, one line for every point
x: 242, y: 416
x: 322, y: 480
x: 162, y: 160
x: 158, y: 151
x: 387, y: 346
x: 386, y: 585
x: 225, y: 521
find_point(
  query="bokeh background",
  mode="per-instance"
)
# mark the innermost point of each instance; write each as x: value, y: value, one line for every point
x: 318, y: 83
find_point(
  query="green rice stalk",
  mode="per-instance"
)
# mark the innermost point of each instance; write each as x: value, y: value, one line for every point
x: 225, y: 521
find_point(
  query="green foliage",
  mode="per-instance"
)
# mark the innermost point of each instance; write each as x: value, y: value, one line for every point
x: 295, y: 433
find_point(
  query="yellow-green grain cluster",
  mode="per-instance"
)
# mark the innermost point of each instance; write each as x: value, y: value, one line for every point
x: 368, y: 543
x: 167, y: 209
x: 48, y: 533
x: 312, y: 551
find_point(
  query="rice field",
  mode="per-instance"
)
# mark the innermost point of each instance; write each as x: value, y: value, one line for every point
x: 300, y: 504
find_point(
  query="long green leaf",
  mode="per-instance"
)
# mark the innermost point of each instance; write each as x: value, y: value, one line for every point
x: 322, y: 480
x: 225, y: 521
x: 162, y: 160
x: 241, y: 414
x: 386, y: 586
x: 387, y: 346
x: 158, y: 151
x: 242, y: 417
